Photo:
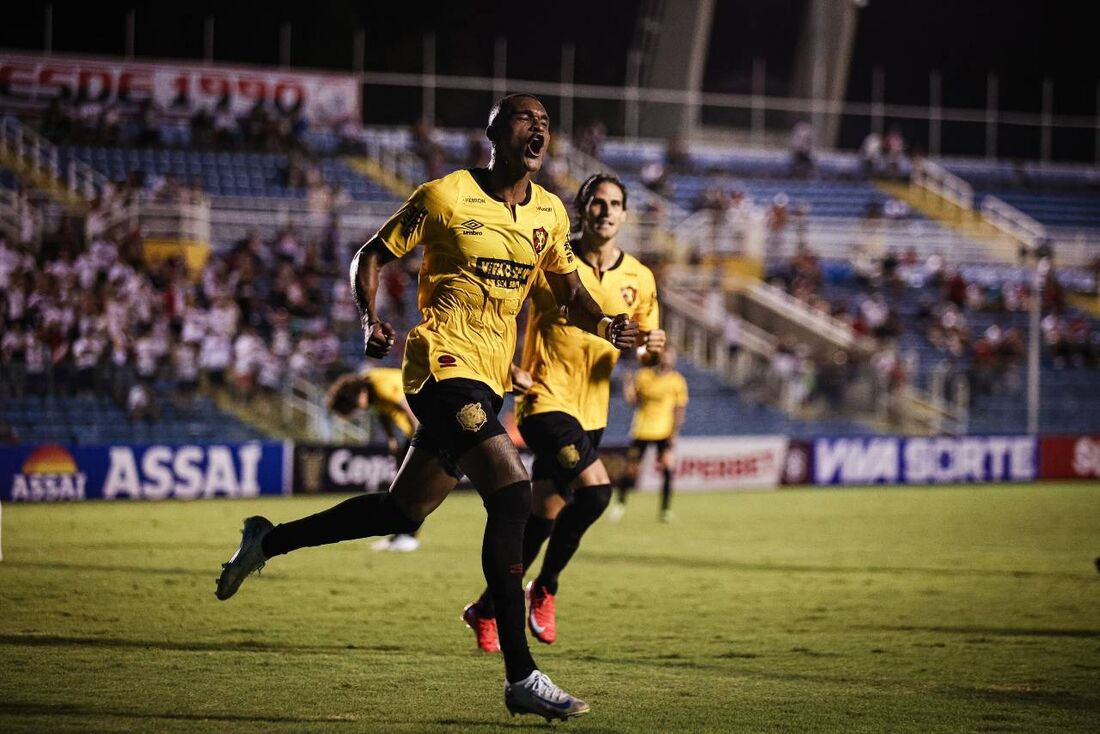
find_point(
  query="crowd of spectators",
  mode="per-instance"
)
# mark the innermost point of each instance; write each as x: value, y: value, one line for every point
x: 270, y: 127
x: 99, y: 319
x: 901, y: 294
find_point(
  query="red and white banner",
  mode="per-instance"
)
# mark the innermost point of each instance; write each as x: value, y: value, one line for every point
x: 733, y: 462
x: 1069, y: 457
x: 30, y: 81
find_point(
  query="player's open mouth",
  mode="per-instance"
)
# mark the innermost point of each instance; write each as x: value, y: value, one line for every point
x: 535, y: 145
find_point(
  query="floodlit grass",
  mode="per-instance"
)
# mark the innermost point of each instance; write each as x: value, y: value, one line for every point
x: 949, y: 609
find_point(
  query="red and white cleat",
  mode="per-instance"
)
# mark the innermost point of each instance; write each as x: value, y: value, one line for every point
x: 485, y: 628
x: 542, y: 616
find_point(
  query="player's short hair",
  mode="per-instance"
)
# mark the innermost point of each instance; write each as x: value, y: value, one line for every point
x: 343, y: 396
x: 588, y: 190
x: 495, y: 117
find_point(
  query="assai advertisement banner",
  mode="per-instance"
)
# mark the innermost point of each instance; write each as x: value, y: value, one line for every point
x: 30, y: 81
x: 919, y: 460
x: 1069, y: 457
x: 53, y: 472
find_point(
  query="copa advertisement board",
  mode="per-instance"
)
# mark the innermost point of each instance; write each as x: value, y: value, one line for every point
x: 52, y: 472
x: 920, y: 460
x: 30, y: 81
x: 320, y: 468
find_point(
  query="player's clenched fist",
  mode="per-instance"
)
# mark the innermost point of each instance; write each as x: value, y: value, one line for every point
x: 378, y: 339
x: 620, y: 331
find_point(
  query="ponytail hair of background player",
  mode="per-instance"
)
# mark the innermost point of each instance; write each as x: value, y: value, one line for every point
x: 588, y: 189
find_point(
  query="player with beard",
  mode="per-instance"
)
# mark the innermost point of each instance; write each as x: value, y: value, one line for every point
x: 486, y: 233
x: 562, y: 415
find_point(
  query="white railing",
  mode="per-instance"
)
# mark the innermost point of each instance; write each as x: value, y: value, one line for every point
x: 1012, y: 221
x: 716, y: 232
x: 941, y: 182
x: 232, y: 218
x: 177, y: 220
x: 40, y: 157
x: 304, y: 404
x: 801, y: 313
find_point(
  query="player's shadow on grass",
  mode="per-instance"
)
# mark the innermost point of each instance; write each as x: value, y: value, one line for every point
x: 12, y: 708
x: 1085, y: 634
x: 152, y: 570
x: 696, y: 563
x: 526, y: 722
x: 168, y: 645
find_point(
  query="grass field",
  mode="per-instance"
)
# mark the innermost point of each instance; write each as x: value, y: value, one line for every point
x: 949, y: 609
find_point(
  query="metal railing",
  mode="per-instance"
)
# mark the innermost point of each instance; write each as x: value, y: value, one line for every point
x: 303, y: 405
x: 1012, y: 221
x: 188, y: 221
x: 41, y: 159
x: 939, y: 181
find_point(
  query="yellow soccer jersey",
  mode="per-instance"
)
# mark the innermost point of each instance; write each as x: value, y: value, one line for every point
x: 387, y: 397
x: 571, y: 368
x: 480, y: 259
x: 658, y: 397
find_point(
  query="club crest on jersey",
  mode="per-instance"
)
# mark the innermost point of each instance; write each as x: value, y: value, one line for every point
x: 630, y: 294
x: 568, y: 456
x: 472, y: 417
x: 539, y: 238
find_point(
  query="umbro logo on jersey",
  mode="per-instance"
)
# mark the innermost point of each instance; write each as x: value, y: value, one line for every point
x: 472, y: 224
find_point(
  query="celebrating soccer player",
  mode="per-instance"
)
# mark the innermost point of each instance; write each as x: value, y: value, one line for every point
x: 486, y: 234
x: 660, y: 397
x: 563, y: 413
x: 381, y: 391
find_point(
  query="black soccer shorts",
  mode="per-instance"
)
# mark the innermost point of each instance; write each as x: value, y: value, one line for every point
x: 562, y: 448
x: 639, y: 445
x: 455, y: 415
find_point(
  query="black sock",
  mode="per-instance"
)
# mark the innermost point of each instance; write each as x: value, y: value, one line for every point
x: 625, y: 485
x: 666, y: 489
x: 359, y: 517
x: 502, y: 562
x: 534, y: 535
x: 587, y: 506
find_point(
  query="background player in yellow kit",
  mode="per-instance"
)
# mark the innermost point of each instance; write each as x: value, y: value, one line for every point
x: 379, y: 390
x: 660, y: 397
x: 486, y: 233
x: 562, y: 415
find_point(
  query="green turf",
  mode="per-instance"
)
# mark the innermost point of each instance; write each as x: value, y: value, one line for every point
x: 951, y: 609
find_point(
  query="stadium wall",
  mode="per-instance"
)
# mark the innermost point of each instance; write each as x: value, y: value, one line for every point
x: 52, y: 472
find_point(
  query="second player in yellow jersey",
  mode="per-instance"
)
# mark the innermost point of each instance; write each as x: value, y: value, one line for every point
x: 567, y: 376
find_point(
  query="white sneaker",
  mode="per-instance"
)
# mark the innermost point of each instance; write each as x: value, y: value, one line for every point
x: 537, y: 694
x: 404, y: 543
x: 381, y: 544
x: 616, y: 512
x: 248, y: 558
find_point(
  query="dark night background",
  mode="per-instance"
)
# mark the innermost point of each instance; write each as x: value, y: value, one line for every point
x: 1022, y: 42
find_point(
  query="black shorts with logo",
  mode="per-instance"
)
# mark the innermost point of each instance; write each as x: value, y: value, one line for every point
x: 455, y: 415
x: 639, y: 445
x: 562, y: 448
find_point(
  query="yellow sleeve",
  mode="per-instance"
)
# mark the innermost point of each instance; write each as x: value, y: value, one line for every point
x: 559, y: 256
x: 420, y: 220
x: 682, y: 393
x: 647, y: 313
